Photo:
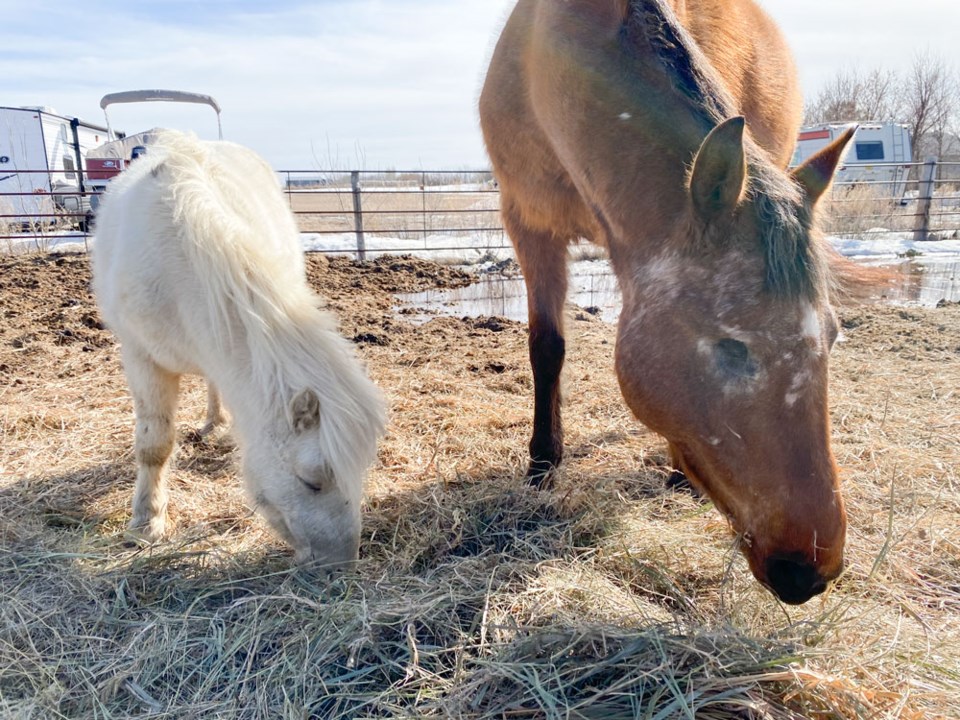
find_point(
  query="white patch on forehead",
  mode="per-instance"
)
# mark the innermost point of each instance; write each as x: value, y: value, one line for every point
x: 625, y: 116
x: 810, y: 323
x: 812, y: 331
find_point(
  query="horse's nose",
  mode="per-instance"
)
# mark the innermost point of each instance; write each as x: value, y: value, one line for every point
x: 794, y: 580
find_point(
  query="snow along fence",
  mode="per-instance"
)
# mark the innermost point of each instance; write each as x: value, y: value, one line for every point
x: 453, y: 215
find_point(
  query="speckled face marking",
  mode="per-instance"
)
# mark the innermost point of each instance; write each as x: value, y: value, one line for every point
x: 811, y: 332
x: 797, y: 384
x: 661, y: 277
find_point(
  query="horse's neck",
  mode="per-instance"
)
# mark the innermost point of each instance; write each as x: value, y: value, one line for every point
x: 253, y: 404
x: 249, y: 374
x: 648, y: 99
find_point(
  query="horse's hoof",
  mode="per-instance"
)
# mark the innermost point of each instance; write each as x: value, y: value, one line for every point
x: 681, y: 483
x: 198, y: 435
x: 144, y: 533
x: 210, y: 427
x: 541, y: 474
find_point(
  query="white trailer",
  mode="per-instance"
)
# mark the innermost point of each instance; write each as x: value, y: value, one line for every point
x: 41, y: 152
x: 879, y: 156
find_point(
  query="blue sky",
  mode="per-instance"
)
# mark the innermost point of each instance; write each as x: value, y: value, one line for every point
x: 348, y: 83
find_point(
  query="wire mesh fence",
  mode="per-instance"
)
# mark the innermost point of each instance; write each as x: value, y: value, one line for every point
x: 437, y: 212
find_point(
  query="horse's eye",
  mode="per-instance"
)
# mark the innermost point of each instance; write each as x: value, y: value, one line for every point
x: 733, y: 358
x: 317, y: 480
x: 311, y: 485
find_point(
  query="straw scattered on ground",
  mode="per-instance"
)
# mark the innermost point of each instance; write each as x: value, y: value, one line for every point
x: 608, y: 596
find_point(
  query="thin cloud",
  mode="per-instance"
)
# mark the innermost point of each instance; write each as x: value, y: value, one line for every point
x: 337, y: 75
x: 390, y: 83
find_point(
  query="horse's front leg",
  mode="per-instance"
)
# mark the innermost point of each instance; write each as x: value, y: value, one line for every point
x: 155, y: 404
x: 543, y: 259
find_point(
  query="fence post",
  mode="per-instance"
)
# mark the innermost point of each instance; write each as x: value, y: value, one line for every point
x: 358, y: 216
x: 921, y: 225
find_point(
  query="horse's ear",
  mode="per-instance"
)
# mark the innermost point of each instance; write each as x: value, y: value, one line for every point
x: 816, y: 173
x: 719, y: 170
x: 304, y: 411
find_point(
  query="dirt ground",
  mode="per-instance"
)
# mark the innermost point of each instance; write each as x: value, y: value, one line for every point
x: 460, y: 397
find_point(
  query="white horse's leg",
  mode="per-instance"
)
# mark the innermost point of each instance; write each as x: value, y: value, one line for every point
x: 155, y: 403
x: 215, y: 416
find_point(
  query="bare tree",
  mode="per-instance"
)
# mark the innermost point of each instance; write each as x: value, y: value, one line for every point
x: 926, y: 97
x: 854, y: 95
x: 930, y: 97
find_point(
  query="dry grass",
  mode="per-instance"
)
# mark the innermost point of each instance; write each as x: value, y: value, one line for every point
x: 476, y: 596
x: 869, y: 211
x: 859, y: 210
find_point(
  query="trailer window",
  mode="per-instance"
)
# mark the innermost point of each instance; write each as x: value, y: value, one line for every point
x: 69, y: 168
x: 870, y: 150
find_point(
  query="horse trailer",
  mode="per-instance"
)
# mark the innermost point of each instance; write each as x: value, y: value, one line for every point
x: 43, y: 158
x: 879, y: 156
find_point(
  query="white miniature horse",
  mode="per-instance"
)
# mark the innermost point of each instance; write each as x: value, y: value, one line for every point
x: 197, y: 268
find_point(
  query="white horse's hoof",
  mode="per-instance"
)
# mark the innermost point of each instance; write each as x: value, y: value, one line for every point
x: 146, y: 532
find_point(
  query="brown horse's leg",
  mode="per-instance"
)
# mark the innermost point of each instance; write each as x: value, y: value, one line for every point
x: 543, y: 259
x: 677, y: 480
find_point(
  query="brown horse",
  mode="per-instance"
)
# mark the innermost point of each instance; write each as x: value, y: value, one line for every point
x: 659, y: 129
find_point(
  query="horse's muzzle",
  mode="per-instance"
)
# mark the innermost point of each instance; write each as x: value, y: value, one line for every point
x: 794, y: 580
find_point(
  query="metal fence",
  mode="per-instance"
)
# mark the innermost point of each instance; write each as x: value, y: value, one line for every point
x: 927, y: 205
x: 441, y: 212
x: 401, y: 211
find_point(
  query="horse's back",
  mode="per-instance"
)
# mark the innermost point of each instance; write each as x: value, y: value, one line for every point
x: 749, y: 53
x: 526, y: 126
x: 182, y: 235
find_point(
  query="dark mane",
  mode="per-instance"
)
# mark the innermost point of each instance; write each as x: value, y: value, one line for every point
x: 651, y: 23
x: 795, y: 263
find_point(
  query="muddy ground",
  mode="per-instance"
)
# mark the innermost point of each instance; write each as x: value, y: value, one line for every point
x: 440, y: 498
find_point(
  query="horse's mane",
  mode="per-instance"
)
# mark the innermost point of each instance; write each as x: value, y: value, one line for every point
x: 652, y: 23
x: 796, y: 263
x: 241, y: 240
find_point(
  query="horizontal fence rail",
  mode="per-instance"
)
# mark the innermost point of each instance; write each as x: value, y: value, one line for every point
x: 437, y: 212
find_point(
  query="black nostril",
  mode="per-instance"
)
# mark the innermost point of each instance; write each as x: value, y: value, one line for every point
x: 793, y: 579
